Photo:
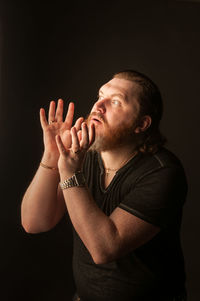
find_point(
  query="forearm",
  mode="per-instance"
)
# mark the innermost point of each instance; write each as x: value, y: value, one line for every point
x: 96, y: 230
x: 39, y: 203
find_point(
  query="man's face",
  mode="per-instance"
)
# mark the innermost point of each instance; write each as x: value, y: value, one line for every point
x: 114, y: 114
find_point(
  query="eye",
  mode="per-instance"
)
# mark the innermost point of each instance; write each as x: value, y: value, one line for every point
x: 116, y: 102
x: 100, y: 97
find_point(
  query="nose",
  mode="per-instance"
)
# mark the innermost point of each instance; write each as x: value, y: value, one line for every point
x: 100, y: 106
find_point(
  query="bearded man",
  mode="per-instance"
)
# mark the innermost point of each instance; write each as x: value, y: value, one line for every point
x: 124, y: 193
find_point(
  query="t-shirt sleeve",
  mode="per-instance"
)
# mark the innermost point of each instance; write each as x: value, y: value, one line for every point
x: 158, y: 197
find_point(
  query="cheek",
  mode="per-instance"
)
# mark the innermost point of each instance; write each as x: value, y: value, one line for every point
x: 121, y: 118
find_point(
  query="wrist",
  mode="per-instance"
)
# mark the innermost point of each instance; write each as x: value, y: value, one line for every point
x: 76, y: 180
x: 67, y: 170
x: 66, y: 174
x: 48, y: 167
x: 50, y: 160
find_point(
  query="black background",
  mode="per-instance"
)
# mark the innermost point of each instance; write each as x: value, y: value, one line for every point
x: 59, y: 49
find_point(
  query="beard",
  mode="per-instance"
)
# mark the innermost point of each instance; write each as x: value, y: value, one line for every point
x: 111, y: 138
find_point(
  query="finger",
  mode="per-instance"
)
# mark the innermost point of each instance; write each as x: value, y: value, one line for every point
x: 91, y: 134
x: 78, y: 123
x: 85, y: 136
x: 52, y: 111
x: 59, y: 110
x: 60, y: 145
x: 43, y: 119
x: 70, y: 114
x: 75, y: 141
x: 79, y: 133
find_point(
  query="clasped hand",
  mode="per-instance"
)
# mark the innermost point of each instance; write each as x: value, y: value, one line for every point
x: 71, y: 159
x: 67, y: 145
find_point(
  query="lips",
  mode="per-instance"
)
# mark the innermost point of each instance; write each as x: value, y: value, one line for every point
x: 95, y: 119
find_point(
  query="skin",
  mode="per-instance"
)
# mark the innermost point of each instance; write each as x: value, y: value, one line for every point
x: 106, y: 237
x: 118, y: 106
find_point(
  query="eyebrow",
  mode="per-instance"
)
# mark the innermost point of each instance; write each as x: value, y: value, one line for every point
x: 124, y: 97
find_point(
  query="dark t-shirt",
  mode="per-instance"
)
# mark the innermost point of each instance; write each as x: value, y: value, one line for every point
x: 153, y: 188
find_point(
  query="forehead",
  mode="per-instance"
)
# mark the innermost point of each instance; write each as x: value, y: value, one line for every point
x: 125, y: 87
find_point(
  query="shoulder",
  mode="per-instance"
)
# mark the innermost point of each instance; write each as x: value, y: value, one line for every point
x: 162, y: 174
x: 163, y: 159
x: 162, y: 171
x: 159, y: 189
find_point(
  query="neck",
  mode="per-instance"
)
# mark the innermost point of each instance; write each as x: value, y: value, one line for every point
x: 115, y: 158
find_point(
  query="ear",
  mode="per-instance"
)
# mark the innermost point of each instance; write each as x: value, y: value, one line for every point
x: 144, y: 124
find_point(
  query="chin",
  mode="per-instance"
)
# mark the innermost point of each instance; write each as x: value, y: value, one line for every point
x: 98, y: 145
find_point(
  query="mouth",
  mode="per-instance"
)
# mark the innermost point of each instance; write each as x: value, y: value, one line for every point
x: 95, y: 119
x: 96, y: 122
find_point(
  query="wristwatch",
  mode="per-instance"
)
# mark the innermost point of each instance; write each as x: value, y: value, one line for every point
x: 77, y: 179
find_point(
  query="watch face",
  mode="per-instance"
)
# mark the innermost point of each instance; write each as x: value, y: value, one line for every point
x: 80, y: 178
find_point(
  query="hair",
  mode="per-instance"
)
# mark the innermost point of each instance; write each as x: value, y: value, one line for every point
x: 151, y: 104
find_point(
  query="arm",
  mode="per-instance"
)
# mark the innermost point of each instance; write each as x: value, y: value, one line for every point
x: 43, y: 204
x: 106, y: 238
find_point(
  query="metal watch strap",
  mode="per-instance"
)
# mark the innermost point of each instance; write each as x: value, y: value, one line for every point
x: 76, y: 180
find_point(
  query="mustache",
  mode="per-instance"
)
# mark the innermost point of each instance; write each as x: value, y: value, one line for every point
x: 96, y: 115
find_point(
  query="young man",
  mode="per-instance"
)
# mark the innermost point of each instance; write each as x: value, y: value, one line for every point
x: 123, y: 190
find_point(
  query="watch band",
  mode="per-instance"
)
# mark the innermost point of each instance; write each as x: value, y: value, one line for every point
x: 76, y: 180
